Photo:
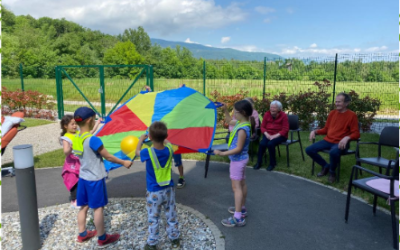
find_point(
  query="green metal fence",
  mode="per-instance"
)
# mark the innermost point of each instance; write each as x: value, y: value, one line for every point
x: 104, y: 87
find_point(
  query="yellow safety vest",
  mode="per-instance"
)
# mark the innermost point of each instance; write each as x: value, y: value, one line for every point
x: 71, y: 136
x: 235, y: 129
x: 163, y: 174
x: 77, y: 143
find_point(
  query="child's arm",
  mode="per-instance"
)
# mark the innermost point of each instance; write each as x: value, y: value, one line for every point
x: 241, y: 140
x: 96, y: 125
x: 67, y: 148
x: 228, y: 118
x: 140, y: 143
x: 109, y: 157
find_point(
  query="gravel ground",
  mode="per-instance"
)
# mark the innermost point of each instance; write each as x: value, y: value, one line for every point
x: 128, y: 216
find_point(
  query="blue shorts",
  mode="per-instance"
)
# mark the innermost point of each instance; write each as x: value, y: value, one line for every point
x: 92, y: 193
x: 177, y: 160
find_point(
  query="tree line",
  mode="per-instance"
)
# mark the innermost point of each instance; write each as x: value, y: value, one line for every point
x: 41, y: 44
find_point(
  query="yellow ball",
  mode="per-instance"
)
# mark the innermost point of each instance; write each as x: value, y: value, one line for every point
x: 129, y: 144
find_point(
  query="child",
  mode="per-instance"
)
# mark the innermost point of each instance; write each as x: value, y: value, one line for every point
x: 71, y: 167
x: 238, y: 147
x: 160, y: 186
x: 92, y: 191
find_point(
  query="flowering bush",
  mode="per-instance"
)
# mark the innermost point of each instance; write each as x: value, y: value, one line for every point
x: 365, y: 109
x: 32, y: 103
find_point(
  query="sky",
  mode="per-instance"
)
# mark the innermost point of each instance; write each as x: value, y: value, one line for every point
x: 289, y: 28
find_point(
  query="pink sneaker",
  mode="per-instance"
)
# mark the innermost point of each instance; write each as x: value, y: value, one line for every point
x: 89, y: 235
x: 110, y: 239
x: 74, y: 204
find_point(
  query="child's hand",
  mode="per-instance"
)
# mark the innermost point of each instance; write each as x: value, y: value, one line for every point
x: 224, y: 107
x: 148, y: 88
x: 218, y: 152
x: 128, y: 164
x: 143, y: 137
x: 99, y: 120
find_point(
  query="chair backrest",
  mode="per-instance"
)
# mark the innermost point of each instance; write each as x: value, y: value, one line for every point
x: 293, y: 122
x: 389, y: 137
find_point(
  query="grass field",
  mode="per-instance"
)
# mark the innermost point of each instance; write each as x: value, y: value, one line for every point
x: 297, y: 165
x: 115, y: 88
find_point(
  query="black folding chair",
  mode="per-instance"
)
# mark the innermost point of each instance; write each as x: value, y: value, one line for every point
x: 389, y: 137
x: 221, y: 147
x: 389, y: 196
x: 293, y: 127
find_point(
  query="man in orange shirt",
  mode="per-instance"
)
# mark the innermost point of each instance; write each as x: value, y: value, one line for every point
x: 341, y: 127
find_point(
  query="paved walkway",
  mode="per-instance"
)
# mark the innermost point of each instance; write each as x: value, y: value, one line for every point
x: 284, y: 212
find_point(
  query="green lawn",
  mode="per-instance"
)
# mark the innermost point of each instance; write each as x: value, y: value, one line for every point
x: 31, y: 122
x: 297, y: 165
x: 115, y: 88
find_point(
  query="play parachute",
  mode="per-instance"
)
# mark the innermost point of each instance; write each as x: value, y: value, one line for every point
x: 190, y: 118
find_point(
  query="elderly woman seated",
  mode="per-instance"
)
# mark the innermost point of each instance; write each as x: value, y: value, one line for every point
x: 274, y: 129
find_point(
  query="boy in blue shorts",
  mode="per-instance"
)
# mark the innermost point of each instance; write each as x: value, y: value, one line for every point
x: 92, y: 191
x: 160, y: 186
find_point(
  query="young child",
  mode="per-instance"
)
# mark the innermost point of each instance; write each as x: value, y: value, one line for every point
x: 92, y: 191
x: 160, y: 186
x: 238, y: 147
x: 70, y: 172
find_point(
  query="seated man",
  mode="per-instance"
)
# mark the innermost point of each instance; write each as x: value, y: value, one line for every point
x: 341, y: 127
x: 275, y: 129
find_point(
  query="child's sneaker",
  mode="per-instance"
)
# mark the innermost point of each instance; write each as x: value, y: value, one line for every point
x: 175, y: 244
x: 181, y: 183
x: 233, y: 222
x: 149, y: 247
x: 232, y: 210
x: 89, y: 235
x: 74, y: 205
x: 110, y: 239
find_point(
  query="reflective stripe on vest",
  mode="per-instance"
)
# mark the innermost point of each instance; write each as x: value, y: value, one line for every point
x: 77, y: 143
x: 163, y: 175
x: 235, y: 129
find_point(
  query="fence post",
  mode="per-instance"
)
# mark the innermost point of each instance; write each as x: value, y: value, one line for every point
x: 204, y: 77
x: 334, y: 81
x: 59, y: 93
x: 102, y: 92
x: 151, y: 78
x: 21, y: 74
x: 265, y: 75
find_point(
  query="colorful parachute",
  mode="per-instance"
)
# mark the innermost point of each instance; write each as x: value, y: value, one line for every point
x: 190, y: 118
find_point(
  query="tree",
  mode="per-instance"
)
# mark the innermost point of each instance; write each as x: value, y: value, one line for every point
x: 7, y: 19
x: 123, y: 53
x: 138, y: 37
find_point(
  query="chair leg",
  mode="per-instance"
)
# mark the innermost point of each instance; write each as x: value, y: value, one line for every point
x: 287, y: 155
x: 394, y: 222
x: 374, y: 206
x: 380, y: 170
x: 346, y: 217
x: 338, y: 172
x: 207, y: 164
x: 301, y: 149
x: 279, y: 151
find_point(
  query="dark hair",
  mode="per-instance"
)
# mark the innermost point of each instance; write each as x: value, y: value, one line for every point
x: 347, y: 98
x: 64, y: 122
x: 158, y: 131
x: 246, y: 109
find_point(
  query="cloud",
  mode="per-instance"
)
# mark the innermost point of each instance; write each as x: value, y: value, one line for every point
x: 189, y: 41
x: 267, y: 20
x: 163, y: 17
x: 225, y: 39
x: 314, y: 45
x: 314, y: 51
x: 290, y: 10
x: 376, y: 49
x: 264, y: 10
